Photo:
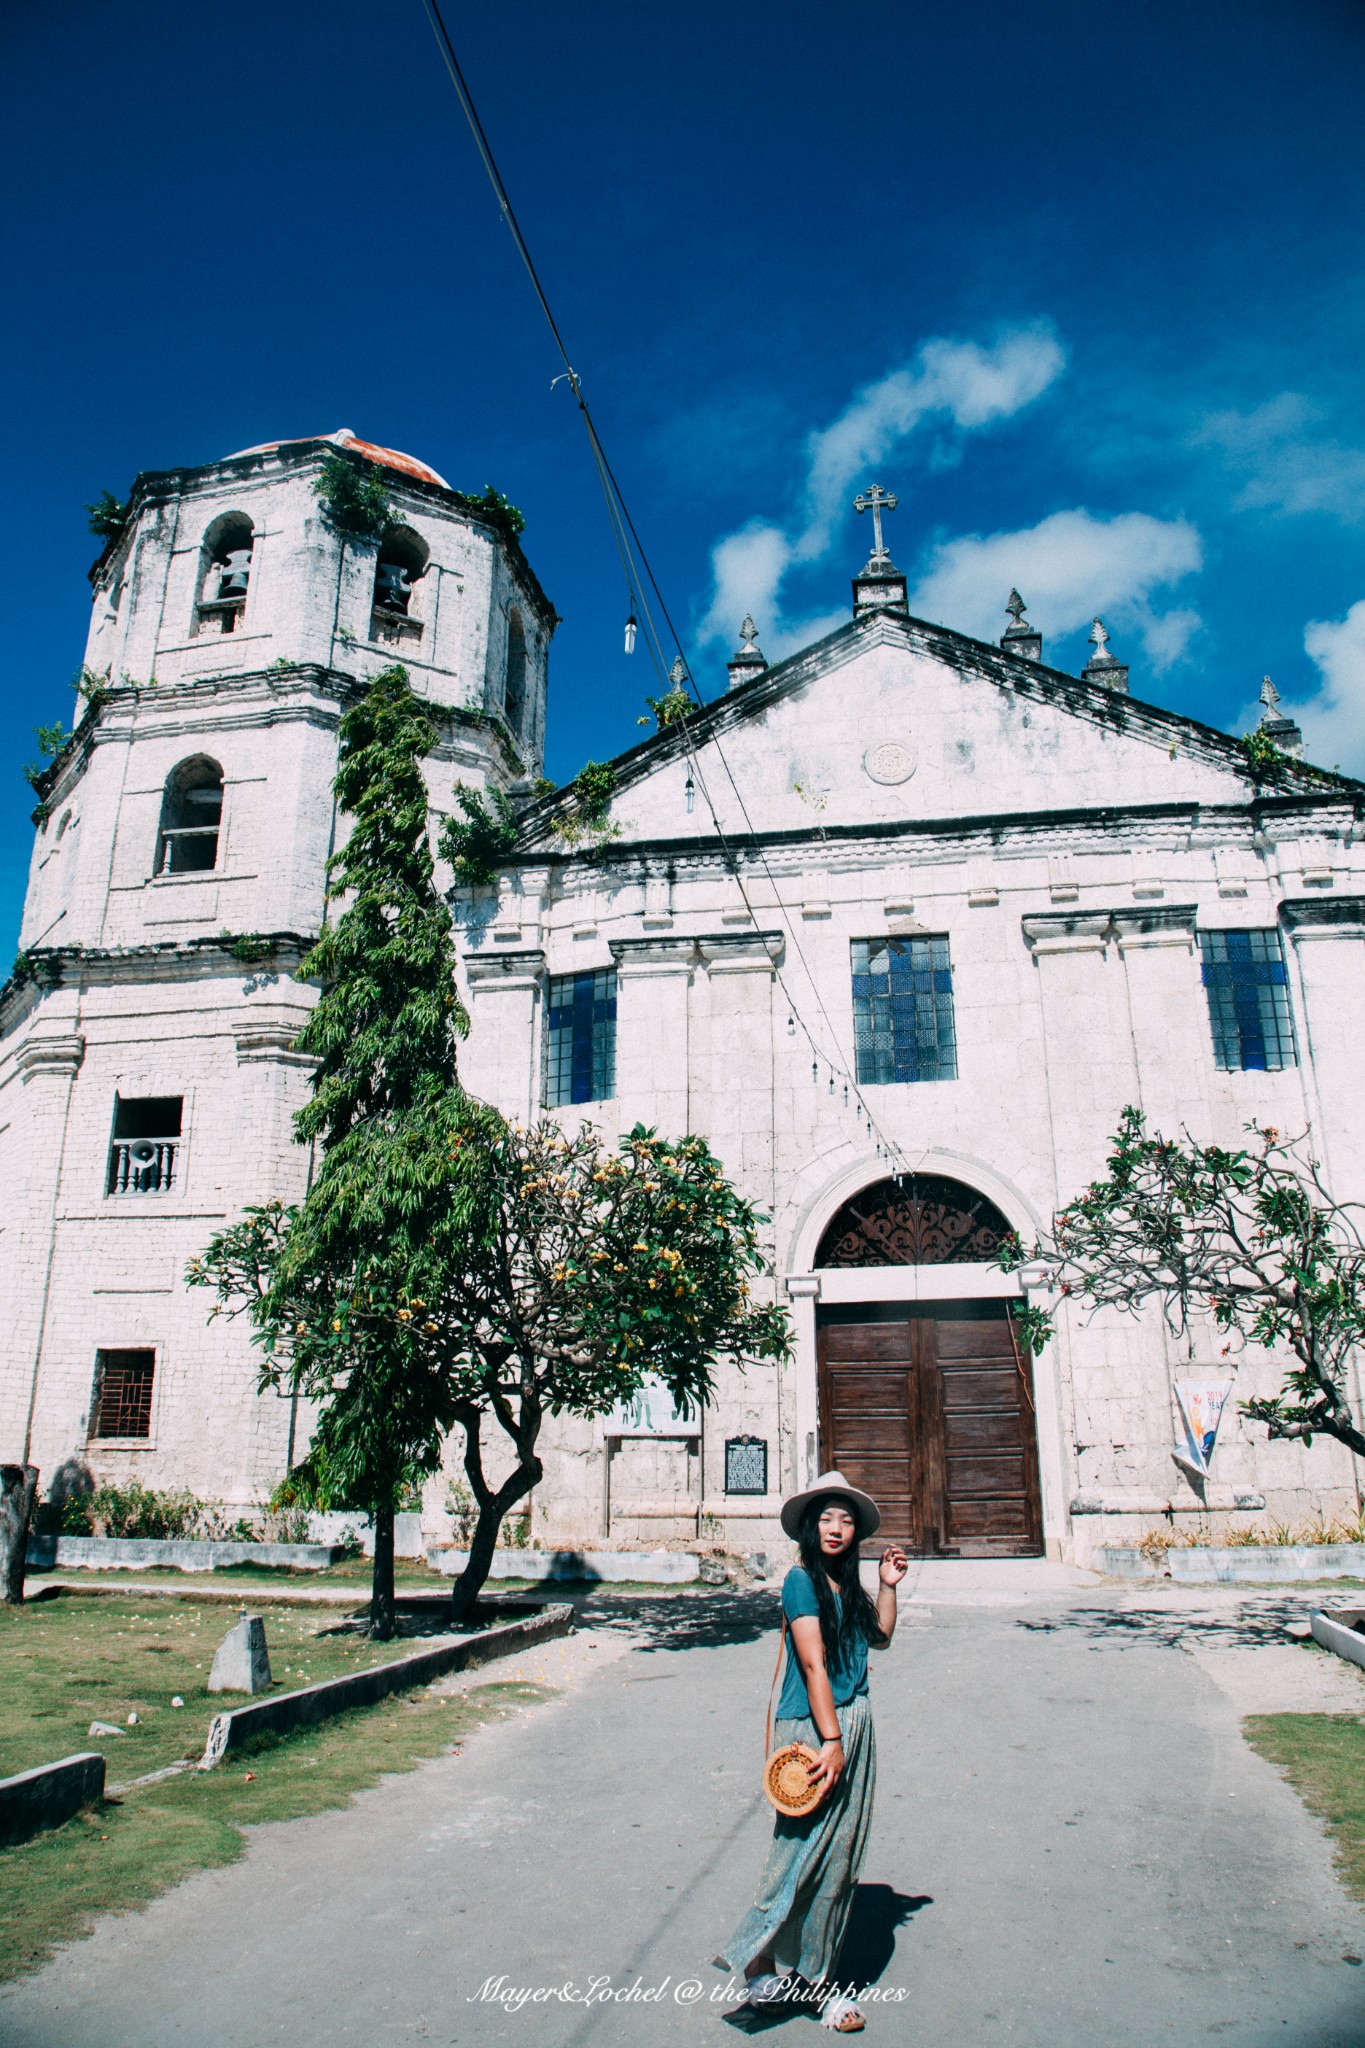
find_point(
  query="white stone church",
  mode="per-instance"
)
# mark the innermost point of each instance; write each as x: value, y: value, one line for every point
x: 900, y: 924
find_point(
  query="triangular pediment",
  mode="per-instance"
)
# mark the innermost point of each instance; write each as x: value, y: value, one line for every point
x: 891, y: 719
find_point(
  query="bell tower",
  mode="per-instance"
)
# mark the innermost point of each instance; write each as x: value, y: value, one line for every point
x: 178, y: 877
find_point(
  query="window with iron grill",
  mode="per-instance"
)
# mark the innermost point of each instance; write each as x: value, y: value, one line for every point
x: 580, y: 1031
x: 903, y: 1010
x: 122, y: 1404
x: 1248, y: 991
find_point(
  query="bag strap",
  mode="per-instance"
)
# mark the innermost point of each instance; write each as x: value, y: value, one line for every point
x: 772, y: 1692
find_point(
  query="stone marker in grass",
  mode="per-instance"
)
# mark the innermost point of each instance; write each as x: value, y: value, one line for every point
x: 243, y: 1661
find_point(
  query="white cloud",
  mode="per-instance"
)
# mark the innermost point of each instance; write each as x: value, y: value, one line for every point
x: 1333, y: 721
x: 961, y: 382
x: 971, y: 385
x: 1287, y: 467
x: 1070, y: 567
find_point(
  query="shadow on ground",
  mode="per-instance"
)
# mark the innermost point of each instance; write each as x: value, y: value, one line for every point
x: 878, y: 1913
x: 682, y: 1621
x: 1251, y: 1625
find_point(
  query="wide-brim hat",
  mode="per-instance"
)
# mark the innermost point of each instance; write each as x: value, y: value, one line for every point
x: 868, y: 1513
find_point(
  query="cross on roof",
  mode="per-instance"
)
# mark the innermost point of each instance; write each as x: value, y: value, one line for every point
x: 876, y: 501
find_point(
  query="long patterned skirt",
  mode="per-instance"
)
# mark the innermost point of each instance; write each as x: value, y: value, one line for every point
x: 804, y: 1895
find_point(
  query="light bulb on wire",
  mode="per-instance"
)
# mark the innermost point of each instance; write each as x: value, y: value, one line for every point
x: 631, y: 624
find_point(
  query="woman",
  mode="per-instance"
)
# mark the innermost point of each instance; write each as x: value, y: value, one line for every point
x: 798, y: 1917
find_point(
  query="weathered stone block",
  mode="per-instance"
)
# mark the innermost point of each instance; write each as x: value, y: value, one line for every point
x: 243, y: 1661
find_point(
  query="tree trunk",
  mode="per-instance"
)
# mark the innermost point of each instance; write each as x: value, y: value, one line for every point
x: 382, y: 1623
x: 467, y: 1588
x: 18, y: 1486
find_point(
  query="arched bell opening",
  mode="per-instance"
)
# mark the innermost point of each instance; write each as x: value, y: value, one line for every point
x: 925, y: 1394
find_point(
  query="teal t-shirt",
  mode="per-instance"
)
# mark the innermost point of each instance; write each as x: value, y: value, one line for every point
x: 847, y: 1673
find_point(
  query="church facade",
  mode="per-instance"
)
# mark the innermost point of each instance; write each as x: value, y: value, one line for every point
x: 900, y: 924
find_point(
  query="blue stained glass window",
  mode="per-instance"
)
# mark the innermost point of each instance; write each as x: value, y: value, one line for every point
x: 1248, y: 991
x: 580, y: 1030
x: 903, y: 1010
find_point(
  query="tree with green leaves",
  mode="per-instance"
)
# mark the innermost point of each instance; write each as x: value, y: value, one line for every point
x: 587, y: 1272
x: 1250, y: 1239
x: 445, y: 1267
x: 309, y: 1277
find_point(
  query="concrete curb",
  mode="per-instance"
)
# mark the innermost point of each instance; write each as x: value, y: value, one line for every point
x: 184, y: 1553
x: 1335, y: 1632
x: 646, y: 1567
x: 290, y: 1710
x: 1268, y: 1564
x: 48, y: 1796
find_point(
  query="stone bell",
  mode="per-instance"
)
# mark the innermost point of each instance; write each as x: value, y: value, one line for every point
x: 235, y: 570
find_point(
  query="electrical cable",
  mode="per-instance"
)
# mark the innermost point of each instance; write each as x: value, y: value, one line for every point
x: 624, y: 534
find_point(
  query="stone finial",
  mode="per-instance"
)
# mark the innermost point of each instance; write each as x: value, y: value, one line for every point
x: 881, y: 586
x: 677, y: 675
x: 1104, y: 667
x: 1281, y: 732
x: 750, y: 659
x: 1020, y: 637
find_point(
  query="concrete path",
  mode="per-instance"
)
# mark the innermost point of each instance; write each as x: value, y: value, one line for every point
x: 1073, y: 1849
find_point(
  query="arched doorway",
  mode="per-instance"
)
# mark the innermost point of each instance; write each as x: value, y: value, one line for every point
x: 928, y: 1403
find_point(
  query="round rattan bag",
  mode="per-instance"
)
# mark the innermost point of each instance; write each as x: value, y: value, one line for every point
x: 787, y: 1782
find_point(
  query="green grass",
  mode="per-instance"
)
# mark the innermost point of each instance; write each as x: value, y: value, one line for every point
x: 121, y: 1855
x: 1323, y: 1757
x: 67, y: 1662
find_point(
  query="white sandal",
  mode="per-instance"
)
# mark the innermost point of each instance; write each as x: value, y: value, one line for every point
x: 842, y: 2015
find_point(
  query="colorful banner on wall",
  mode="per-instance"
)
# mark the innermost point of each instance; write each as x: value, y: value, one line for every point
x: 1201, y: 1404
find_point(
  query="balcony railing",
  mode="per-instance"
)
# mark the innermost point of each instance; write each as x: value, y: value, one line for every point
x: 188, y: 849
x: 142, y: 1166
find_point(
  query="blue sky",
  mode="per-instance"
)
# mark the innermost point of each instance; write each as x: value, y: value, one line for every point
x: 1082, y: 283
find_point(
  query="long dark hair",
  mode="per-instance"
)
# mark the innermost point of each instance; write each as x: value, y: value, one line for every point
x: 852, y: 1614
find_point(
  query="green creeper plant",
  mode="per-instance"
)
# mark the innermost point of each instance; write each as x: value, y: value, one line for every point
x: 317, y: 1279
x: 670, y: 709
x: 51, y: 740
x: 493, y: 507
x: 351, y: 494
x: 106, y: 516
x: 588, y: 821
x: 1251, y: 1239
x: 477, y: 843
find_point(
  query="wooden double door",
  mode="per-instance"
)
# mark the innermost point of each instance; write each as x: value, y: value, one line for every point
x: 930, y: 1409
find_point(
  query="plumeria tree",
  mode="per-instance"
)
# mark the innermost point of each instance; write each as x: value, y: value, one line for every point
x: 1251, y: 1239
x: 594, y: 1270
